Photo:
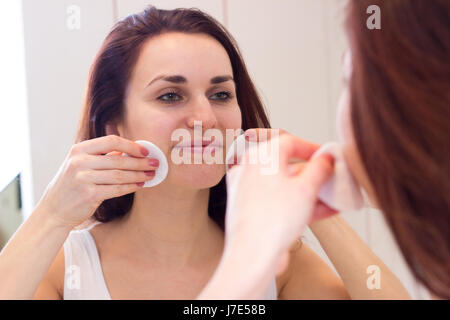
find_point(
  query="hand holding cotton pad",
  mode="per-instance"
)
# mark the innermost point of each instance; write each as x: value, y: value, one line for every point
x: 156, y: 153
x: 340, y: 192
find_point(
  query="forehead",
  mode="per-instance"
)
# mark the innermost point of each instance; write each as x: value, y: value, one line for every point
x: 195, y: 56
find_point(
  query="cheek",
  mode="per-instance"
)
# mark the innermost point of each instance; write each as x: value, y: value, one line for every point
x: 232, y: 119
x: 358, y: 171
x: 349, y: 148
x: 343, y: 118
x: 345, y: 132
x: 153, y: 126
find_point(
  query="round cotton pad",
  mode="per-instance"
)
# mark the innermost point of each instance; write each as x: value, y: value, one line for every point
x: 155, y: 153
x: 341, y: 192
x: 237, y: 148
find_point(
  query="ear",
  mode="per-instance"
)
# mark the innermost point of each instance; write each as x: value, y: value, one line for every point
x: 113, y: 128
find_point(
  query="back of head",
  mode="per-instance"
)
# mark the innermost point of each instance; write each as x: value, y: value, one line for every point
x: 400, y: 113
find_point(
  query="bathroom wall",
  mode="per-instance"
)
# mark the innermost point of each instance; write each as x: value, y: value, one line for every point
x: 14, y: 135
x: 293, y: 50
x: 58, y: 56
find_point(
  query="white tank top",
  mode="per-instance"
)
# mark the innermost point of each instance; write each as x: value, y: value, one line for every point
x: 84, y: 279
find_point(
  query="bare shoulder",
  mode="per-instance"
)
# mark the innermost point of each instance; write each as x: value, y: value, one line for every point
x: 282, y: 278
x: 100, y: 232
x: 52, y: 285
x: 310, y: 277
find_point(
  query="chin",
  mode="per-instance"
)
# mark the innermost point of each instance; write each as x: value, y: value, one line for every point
x: 197, y: 176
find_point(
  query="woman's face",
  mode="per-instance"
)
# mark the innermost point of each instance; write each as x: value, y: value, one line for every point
x: 178, y: 79
x: 346, y: 136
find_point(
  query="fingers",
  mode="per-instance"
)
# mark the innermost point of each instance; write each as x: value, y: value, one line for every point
x: 116, y: 176
x: 316, y: 172
x: 118, y: 190
x: 263, y: 134
x: 291, y: 147
x: 120, y: 162
x: 110, y: 143
x: 114, y: 153
x: 295, y: 168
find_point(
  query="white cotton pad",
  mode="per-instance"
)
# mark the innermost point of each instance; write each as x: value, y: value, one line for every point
x: 237, y: 148
x: 155, y: 153
x: 341, y: 192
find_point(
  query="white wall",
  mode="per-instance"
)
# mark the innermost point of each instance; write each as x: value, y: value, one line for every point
x: 57, y: 62
x: 14, y: 136
x: 293, y: 49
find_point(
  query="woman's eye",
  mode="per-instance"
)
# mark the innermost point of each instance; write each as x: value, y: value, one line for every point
x: 222, y: 96
x: 170, y: 97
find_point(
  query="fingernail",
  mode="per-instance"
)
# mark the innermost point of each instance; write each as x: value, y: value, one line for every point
x: 144, y: 151
x: 329, y: 157
x: 140, y: 184
x: 153, y: 162
x: 150, y: 173
x: 250, y: 135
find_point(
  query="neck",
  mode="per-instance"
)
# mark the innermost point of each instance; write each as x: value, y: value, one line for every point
x: 170, y: 226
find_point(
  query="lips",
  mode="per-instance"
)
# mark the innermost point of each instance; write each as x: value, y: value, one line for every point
x: 197, y: 144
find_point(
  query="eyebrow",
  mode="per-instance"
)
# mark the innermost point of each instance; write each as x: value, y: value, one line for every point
x: 220, y: 79
x: 181, y: 79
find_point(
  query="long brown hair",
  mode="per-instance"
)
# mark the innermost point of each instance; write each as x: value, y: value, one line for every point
x: 400, y: 113
x: 111, y: 71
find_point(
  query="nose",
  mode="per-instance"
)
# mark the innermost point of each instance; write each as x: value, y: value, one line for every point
x: 201, y: 110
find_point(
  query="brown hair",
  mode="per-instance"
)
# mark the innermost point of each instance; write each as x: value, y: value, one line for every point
x: 111, y: 71
x: 400, y: 113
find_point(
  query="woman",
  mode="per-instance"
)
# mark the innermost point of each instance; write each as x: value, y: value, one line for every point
x: 394, y: 121
x: 156, y: 72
